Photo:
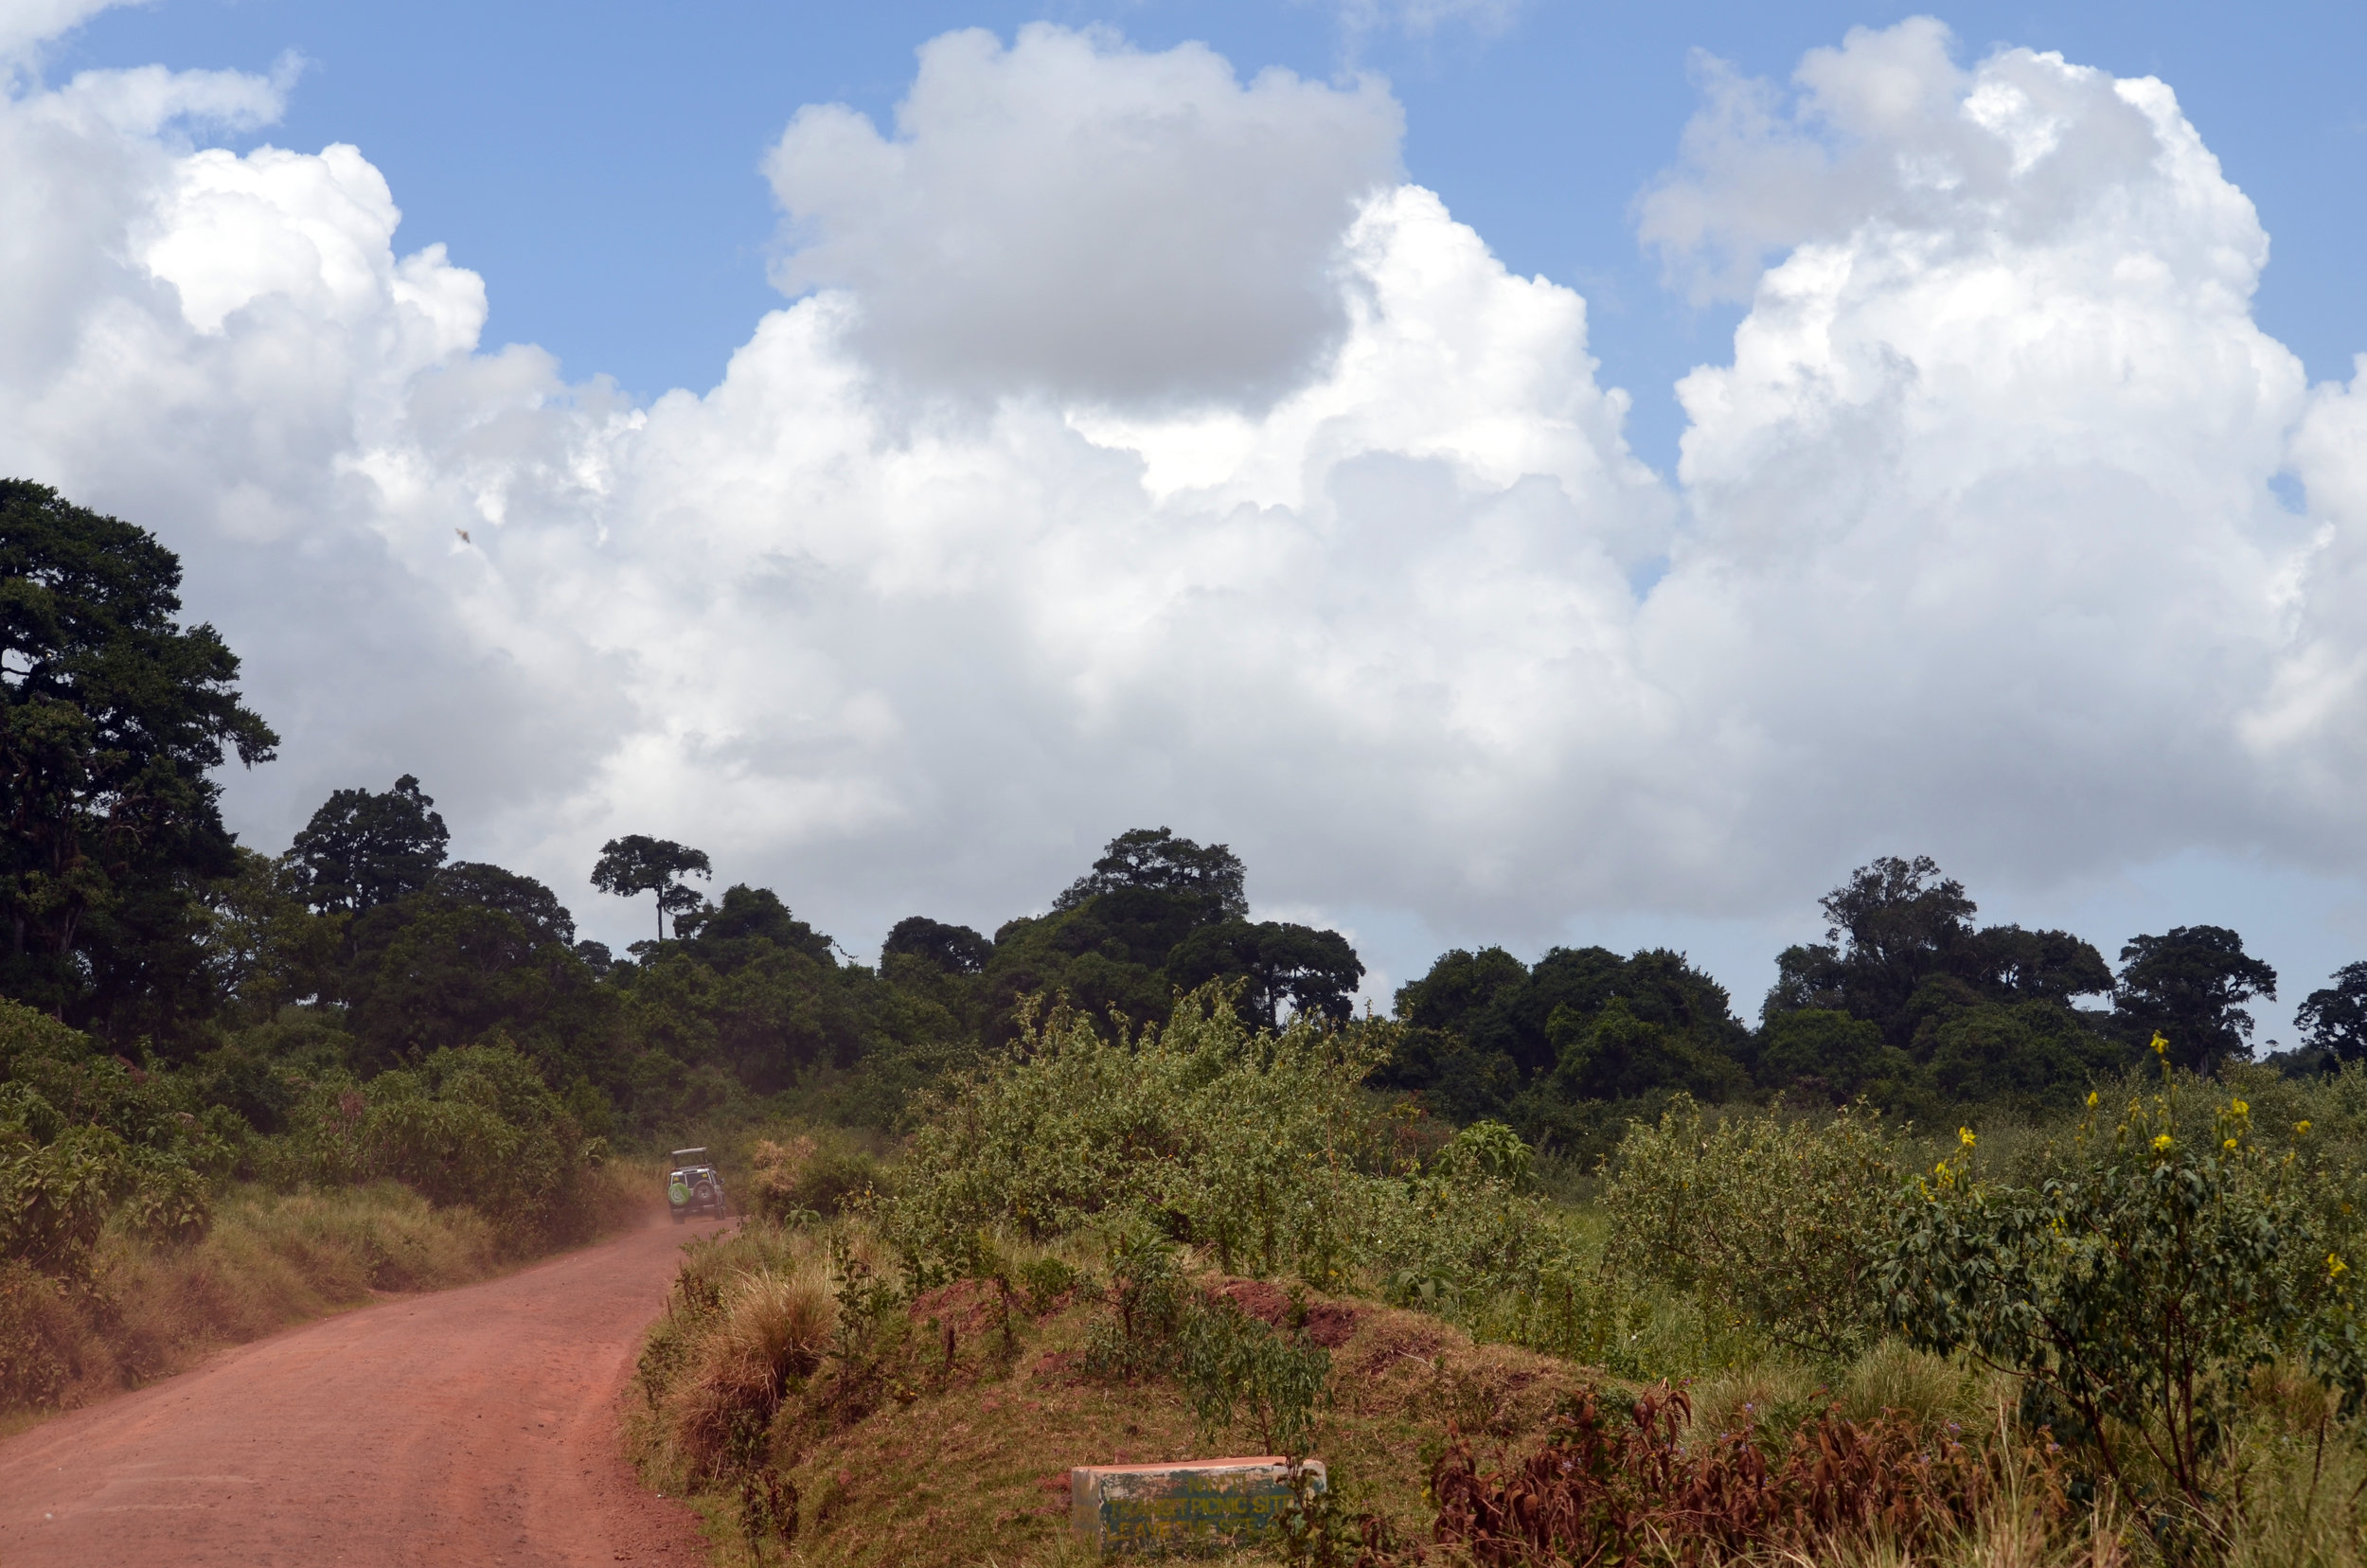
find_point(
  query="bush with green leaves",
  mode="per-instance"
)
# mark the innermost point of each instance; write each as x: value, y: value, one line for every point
x: 2138, y: 1287
x: 1262, y: 1151
x: 1236, y: 1368
x: 473, y: 1126
x: 85, y: 1137
x: 1464, y: 1230
x: 1246, y: 1142
x: 1148, y: 1299
x: 1233, y: 1367
x: 1781, y: 1223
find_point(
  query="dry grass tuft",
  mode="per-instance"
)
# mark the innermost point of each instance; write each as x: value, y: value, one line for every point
x: 768, y: 1335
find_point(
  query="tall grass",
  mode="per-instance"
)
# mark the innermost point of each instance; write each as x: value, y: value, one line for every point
x: 269, y: 1260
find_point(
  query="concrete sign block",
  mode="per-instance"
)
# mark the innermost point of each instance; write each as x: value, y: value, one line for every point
x: 1193, y: 1504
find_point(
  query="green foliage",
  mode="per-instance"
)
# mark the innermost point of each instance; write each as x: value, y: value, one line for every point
x: 113, y: 718
x: 475, y: 1126
x: 1782, y: 1223
x: 1316, y: 972
x: 1207, y: 878
x: 812, y: 1176
x: 1907, y: 1003
x: 953, y: 949
x: 1462, y: 1240
x: 2138, y: 1287
x: 85, y: 1136
x: 637, y: 863
x: 1489, y: 1037
x: 1148, y: 1300
x: 1238, y: 1368
x: 2189, y: 986
x: 1233, y: 1367
x: 264, y: 948
x: 2333, y: 1019
x: 1258, y: 1149
x: 2027, y: 1057
x: 1828, y: 1054
x: 361, y: 849
x: 451, y: 974
x: 1245, y: 1142
x: 1158, y: 914
x: 1615, y: 1055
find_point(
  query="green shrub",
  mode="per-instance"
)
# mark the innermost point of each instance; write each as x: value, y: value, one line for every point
x: 474, y: 1125
x: 1245, y: 1142
x: 1238, y: 1368
x: 1782, y: 1225
x: 1232, y: 1366
x: 810, y: 1176
x: 1139, y: 1336
x: 2139, y: 1288
x: 83, y: 1134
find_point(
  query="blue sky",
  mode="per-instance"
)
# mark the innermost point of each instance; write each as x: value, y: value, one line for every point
x: 2112, y: 700
x: 597, y: 162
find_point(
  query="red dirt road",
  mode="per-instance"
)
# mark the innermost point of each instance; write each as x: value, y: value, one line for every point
x: 470, y: 1427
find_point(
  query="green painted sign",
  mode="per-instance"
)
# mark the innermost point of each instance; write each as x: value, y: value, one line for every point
x: 1209, y: 1503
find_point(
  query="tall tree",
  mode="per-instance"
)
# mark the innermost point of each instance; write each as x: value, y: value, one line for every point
x: 2334, y: 1019
x: 1155, y: 859
x: 363, y: 849
x: 1901, y: 953
x: 955, y: 949
x: 726, y: 935
x: 1316, y: 972
x: 1893, y: 925
x: 112, y: 717
x: 638, y: 863
x: 2191, y: 985
x: 521, y: 898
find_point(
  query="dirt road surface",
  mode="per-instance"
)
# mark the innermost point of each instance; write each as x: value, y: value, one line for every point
x: 470, y: 1427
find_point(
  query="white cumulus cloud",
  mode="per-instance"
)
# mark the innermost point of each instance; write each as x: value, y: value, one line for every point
x: 1136, y: 449
x: 1073, y: 216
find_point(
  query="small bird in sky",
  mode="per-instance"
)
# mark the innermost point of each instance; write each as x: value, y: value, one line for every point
x: 463, y: 533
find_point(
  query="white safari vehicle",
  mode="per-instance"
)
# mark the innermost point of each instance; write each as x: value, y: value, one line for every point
x: 693, y: 1186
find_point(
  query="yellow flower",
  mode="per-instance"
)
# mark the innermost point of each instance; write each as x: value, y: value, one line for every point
x: 2162, y: 1144
x: 1964, y: 1135
x: 2092, y: 1099
x: 2239, y: 1108
x: 2159, y: 1044
x: 2229, y: 1146
x: 2301, y: 1129
x: 2335, y: 1265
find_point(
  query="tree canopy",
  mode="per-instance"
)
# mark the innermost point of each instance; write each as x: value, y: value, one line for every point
x: 955, y: 949
x: 363, y: 849
x: 638, y: 863
x: 2333, y: 1019
x: 113, y: 715
x: 1154, y: 860
x: 2191, y: 985
x: 1315, y: 972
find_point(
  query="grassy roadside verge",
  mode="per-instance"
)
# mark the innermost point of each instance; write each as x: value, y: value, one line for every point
x: 940, y: 1432
x: 269, y: 1260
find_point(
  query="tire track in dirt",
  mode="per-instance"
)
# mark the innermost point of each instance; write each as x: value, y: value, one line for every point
x: 470, y: 1427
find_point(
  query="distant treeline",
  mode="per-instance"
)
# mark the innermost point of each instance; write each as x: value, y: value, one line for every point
x: 131, y: 914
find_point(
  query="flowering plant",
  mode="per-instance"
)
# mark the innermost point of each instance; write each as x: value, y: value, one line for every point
x: 2135, y: 1291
